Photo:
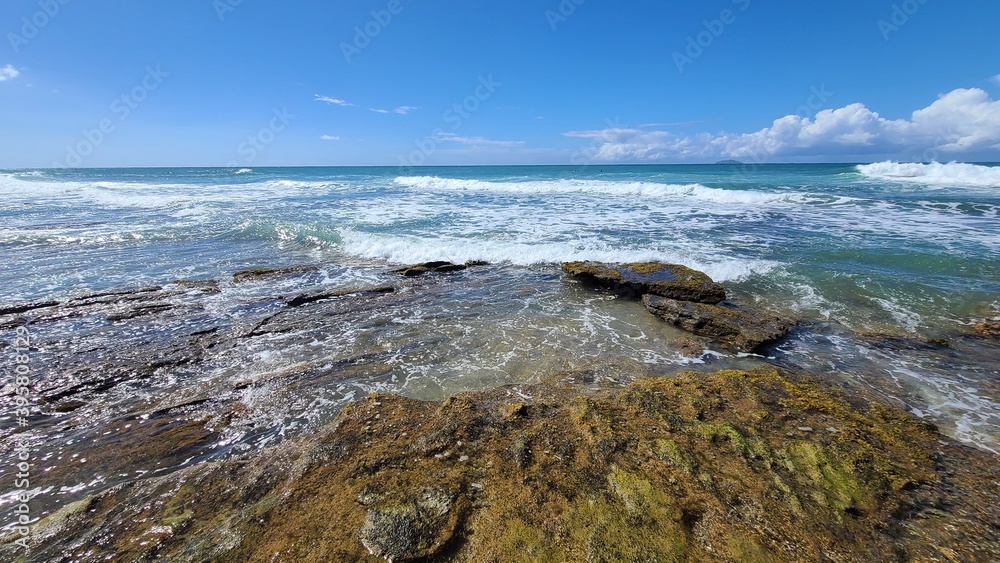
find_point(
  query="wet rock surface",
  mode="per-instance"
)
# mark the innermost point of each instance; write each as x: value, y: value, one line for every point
x: 689, y: 300
x: 635, y: 280
x: 989, y: 329
x: 731, y: 466
x: 440, y: 267
x: 757, y: 465
x: 261, y: 274
x: 741, y: 329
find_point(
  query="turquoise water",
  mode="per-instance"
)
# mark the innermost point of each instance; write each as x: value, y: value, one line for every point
x: 856, y: 253
x: 915, y: 251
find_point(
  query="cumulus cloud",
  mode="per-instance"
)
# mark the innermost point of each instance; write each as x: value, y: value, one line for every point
x: 335, y: 101
x: 8, y: 73
x: 958, y: 122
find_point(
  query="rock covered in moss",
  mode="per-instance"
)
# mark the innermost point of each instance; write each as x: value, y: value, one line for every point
x: 655, y: 278
x: 702, y: 467
x: 401, y: 529
x: 742, y: 329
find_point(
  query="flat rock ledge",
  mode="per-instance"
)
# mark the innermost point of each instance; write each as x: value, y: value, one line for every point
x: 738, y: 329
x: 655, y: 278
x: 734, y: 466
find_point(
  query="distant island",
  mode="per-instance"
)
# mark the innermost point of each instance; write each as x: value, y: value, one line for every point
x: 729, y: 162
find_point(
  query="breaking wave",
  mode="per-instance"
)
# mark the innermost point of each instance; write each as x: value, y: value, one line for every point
x: 934, y: 174
x: 599, y: 187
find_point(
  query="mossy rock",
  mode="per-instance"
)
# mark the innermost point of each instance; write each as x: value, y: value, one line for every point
x: 655, y: 278
x: 701, y: 467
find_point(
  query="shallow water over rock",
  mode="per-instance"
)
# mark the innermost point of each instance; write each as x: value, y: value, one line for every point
x: 142, y: 382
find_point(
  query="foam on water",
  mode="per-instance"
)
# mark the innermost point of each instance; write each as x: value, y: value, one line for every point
x: 607, y: 188
x: 870, y: 248
x: 952, y: 174
x: 400, y: 249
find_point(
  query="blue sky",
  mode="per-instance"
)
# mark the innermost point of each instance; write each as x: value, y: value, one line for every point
x: 257, y: 83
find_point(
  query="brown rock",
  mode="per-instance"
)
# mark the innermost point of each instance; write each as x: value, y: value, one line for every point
x: 440, y: 267
x: 739, y: 329
x: 701, y: 467
x: 258, y: 274
x: 989, y: 329
x: 654, y: 278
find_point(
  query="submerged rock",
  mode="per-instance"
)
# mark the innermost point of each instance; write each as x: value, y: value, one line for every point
x: 306, y: 298
x: 988, y: 328
x: 702, y: 467
x: 655, y: 278
x: 737, y: 328
x: 115, y: 305
x: 258, y: 274
x: 440, y: 267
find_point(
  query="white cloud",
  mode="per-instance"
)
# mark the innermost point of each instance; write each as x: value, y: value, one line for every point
x: 8, y: 73
x: 401, y: 110
x: 476, y: 141
x: 335, y: 101
x: 996, y: 79
x: 960, y: 121
x: 329, y: 138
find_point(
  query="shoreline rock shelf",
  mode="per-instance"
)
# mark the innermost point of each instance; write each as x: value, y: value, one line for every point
x: 756, y: 465
x: 688, y: 299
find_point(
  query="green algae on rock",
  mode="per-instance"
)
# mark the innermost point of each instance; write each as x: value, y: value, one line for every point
x: 716, y: 467
x: 656, y: 278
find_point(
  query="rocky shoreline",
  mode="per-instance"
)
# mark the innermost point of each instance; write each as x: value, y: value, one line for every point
x: 738, y: 465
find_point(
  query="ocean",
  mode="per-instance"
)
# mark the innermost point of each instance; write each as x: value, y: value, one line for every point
x: 880, y: 263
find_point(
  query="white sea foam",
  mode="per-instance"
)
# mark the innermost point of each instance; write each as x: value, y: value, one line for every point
x: 600, y: 187
x: 953, y: 174
x: 244, y: 171
x: 411, y: 249
x: 150, y: 195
